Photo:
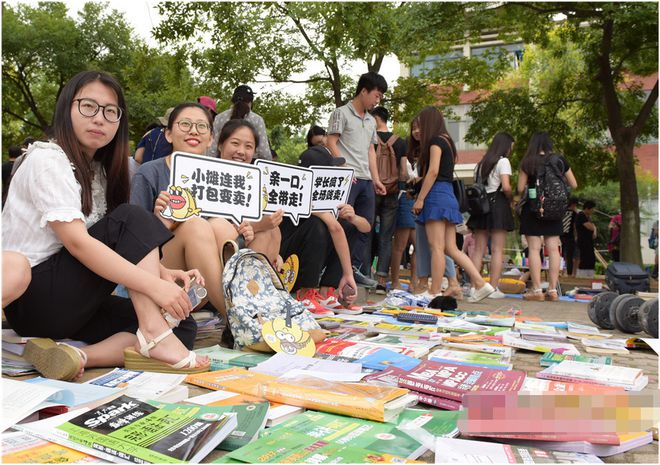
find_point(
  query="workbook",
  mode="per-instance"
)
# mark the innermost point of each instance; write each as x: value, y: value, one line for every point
x: 20, y: 447
x: 145, y: 385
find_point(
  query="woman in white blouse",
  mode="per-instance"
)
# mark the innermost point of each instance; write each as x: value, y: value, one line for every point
x: 66, y: 212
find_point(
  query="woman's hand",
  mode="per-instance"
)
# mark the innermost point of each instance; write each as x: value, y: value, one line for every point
x: 346, y: 212
x: 181, y: 276
x: 172, y: 298
x: 273, y: 221
x: 418, y: 206
x: 162, y: 201
x: 246, y: 230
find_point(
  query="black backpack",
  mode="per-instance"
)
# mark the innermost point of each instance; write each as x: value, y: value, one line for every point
x: 551, y: 190
x: 477, y: 197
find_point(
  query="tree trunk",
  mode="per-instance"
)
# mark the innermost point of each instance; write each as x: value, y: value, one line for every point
x: 631, y: 251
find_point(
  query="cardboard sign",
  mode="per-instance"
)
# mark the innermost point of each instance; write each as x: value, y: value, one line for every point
x: 289, y: 272
x: 330, y: 188
x: 292, y: 340
x: 287, y: 188
x: 213, y: 187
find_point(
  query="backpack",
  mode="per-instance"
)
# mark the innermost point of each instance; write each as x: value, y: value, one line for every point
x: 254, y: 293
x: 388, y: 171
x: 477, y: 197
x: 653, y: 239
x: 552, y: 193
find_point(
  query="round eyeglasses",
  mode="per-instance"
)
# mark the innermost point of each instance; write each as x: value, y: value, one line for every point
x: 89, y: 107
x: 186, y: 126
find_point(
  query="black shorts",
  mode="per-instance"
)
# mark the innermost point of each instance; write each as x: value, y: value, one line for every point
x: 65, y: 299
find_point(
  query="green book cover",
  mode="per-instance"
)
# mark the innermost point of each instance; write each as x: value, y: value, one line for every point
x: 471, y: 358
x: 286, y: 446
x: 349, y: 431
x: 426, y: 425
x: 250, y: 419
x: 551, y: 358
x: 135, y: 431
x: 222, y: 358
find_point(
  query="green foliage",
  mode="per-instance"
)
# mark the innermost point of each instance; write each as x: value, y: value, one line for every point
x: 290, y: 149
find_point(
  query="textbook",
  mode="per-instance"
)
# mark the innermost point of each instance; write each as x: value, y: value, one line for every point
x: 631, y: 379
x: 550, y: 358
x: 354, y: 432
x: 426, y: 425
x: 541, y: 386
x: 439, y: 402
x: 133, y: 431
x: 388, y: 377
x: 371, y: 402
x: 511, y: 340
x: 144, y: 385
x: 384, y: 358
x: 20, y: 447
x: 222, y: 357
x: 21, y: 398
x: 355, y: 350
x: 475, y: 359
x: 462, y: 451
x: 250, y: 420
x: 453, y: 381
x: 286, y: 446
x: 626, y: 442
x: 283, y: 363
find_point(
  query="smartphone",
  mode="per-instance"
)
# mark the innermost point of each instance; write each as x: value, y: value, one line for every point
x: 347, y: 291
x: 196, y: 293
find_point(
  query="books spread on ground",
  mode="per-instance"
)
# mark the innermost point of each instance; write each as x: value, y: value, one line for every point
x: 438, y: 402
x: 13, y: 365
x: 21, y: 398
x: 354, y: 432
x: 631, y: 379
x: 144, y: 385
x: 127, y: 429
x: 286, y: 446
x: 541, y: 386
x: 453, y: 381
x: 625, y: 443
x: 222, y: 358
x: 281, y: 363
x: 492, y: 320
x: 462, y: 451
x: 250, y: 420
x: 550, y: 358
x: 427, y: 425
x: 511, y: 340
x: 354, y: 350
x: 388, y: 377
x: 20, y: 447
x: 277, y: 413
x: 605, y: 346
x: 384, y: 358
x: 477, y: 359
x: 367, y: 401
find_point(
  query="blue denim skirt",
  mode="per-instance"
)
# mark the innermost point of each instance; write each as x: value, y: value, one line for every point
x: 440, y: 204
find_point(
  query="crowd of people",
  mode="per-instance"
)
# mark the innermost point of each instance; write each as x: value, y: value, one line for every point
x: 82, y: 215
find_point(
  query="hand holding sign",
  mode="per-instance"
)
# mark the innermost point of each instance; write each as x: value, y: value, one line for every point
x: 332, y: 185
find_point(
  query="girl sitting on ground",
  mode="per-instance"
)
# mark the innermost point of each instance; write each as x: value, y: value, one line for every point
x: 197, y: 241
x: 436, y: 206
x: 68, y: 215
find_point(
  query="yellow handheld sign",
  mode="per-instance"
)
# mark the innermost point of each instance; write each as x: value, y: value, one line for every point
x: 289, y: 272
x: 292, y: 340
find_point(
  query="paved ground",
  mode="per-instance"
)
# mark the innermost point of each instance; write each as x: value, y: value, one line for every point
x: 526, y: 361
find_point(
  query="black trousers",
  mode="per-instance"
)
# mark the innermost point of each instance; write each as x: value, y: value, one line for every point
x: 65, y: 299
x: 568, y: 250
x: 312, y: 243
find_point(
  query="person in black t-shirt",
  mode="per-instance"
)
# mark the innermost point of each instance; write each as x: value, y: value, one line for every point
x: 586, y: 233
x: 568, y: 237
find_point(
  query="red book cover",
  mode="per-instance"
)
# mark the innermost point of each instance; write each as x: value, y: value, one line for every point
x: 439, y: 402
x: 452, y: 381
x: 388, y: 377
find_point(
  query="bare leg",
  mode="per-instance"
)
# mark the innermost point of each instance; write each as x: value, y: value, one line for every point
x: 480, y: 246
x: 267, y: 243
x: 435, y: 231
x: 194, y: 246
x: 398, y: 246
x: 460, y: 258
x: 16, y: 276
x: 497, y: 240
x: 534, y: 245
x: 223, y: 231
x: 552, y: 247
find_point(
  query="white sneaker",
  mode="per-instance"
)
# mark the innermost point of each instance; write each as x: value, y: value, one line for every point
x: 497, y: 295
x: 481, y: 294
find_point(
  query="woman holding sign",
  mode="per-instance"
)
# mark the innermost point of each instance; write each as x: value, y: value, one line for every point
x: 237, y: 142
x: 436, y: 206
x: 67, y: 214
x: 197, y: 241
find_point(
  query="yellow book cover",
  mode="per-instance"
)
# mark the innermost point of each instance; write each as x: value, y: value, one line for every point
x: 356, y: 400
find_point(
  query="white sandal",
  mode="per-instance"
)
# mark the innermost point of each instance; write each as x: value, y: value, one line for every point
x: 142, y: 361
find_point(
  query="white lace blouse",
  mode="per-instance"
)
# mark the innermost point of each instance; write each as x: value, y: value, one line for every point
x: 45, y: 189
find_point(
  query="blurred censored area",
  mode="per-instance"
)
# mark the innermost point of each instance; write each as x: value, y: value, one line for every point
x: 492, y: 412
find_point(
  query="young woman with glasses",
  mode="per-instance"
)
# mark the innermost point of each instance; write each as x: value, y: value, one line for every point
x: 197, y: 241
x: 68, y: 215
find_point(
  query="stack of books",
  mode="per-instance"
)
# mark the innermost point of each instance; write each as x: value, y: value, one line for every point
x: 631, y: 379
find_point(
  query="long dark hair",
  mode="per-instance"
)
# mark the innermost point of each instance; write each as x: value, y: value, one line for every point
x: 431, y: 124
x: 113, y: 157
x: 182, y: 106
x: 234, y: 124
x: 539, y: 145
x: 500, y: 147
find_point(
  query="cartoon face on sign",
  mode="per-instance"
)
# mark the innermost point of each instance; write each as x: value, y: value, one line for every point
x: 291, y: 340
x: 182, y: 204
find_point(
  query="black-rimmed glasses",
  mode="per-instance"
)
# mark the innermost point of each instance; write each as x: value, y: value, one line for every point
x: 89, y: 107
x: 186, y: 126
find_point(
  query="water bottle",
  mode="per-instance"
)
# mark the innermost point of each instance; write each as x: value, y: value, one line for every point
x: 531, y: 193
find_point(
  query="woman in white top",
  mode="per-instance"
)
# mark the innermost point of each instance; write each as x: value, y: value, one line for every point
x: 494, y: 170
x: 67, y: 213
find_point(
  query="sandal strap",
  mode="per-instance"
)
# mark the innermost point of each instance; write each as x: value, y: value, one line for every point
x: 146, y: 346
x: 80, y: 352
x: 190, y: 361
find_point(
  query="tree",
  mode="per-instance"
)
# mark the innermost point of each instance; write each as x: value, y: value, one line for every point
x: 618, y: 40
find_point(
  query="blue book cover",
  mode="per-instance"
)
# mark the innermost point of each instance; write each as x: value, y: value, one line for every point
x: 384, y: 358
